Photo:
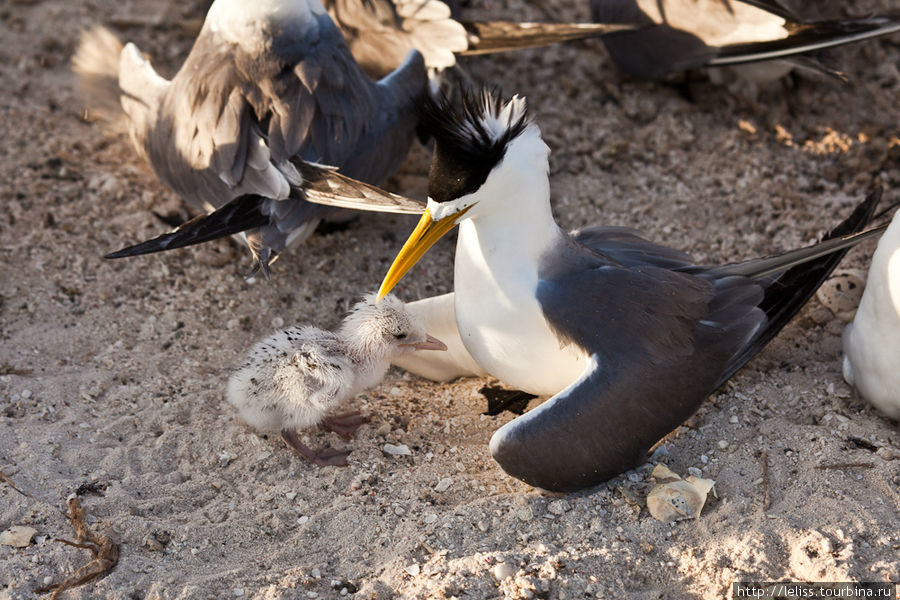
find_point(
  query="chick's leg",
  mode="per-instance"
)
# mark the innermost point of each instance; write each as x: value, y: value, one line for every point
x: 323, y: 457
x: 344, y: 424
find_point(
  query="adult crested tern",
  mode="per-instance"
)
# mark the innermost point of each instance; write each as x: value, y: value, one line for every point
x: 294, y: 378
x: 269, y: 83
x: 872, y: 340
x: 628, y: 337
x: 690, y: 34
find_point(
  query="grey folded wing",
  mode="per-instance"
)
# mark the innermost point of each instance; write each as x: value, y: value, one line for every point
x: 658, y: 341
x: 238, y: 116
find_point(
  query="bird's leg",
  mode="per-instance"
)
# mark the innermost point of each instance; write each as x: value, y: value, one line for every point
x: 323, y: 457
x: 344, y: 424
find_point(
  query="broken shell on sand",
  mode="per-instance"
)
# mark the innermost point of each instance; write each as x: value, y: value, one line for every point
x: 842, y: 292
x: 677, y: 498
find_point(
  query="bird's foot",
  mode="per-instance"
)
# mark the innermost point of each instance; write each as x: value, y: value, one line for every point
x: 345, y: 424
x: 323, y: 457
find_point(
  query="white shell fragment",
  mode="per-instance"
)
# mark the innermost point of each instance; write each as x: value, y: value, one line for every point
x: 675, y: 499
x: 842, y: 292
x: 18, y: 536
x: 401, y: 450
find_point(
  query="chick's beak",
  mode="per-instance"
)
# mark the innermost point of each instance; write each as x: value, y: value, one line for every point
x: 431, y: 343
x: 423, y: 237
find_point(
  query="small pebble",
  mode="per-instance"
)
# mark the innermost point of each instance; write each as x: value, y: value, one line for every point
x: 290, y: 495
x: 413, y: 569
x: 503, y: 570
x: 722, y: 444
x: 443, y: 485
x: 733, y: 420
x: 302, y: 520
x: 704, y: 458
x: 430, y: 518
x: 558, y: 507
x: 48, y: 580
x: 316, y: 572
x: 238, y: 592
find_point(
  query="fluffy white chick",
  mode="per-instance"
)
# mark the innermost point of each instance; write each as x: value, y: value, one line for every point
x: 294, y: 378
x: 872, y: 340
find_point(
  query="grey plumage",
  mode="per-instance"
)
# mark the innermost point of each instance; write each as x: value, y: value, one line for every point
x: 664, y: 334
x: 267, y: 84
x: 689, y: 34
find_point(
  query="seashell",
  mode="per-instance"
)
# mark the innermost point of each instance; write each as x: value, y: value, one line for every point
x: 18, y: 536
x: 677, y: 499
x: 842, y: 292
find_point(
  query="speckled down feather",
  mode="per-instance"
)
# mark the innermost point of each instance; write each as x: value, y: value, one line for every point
x: 295, y: 377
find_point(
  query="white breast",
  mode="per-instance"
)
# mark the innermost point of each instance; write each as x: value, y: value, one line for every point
x: 500, y: 320
x: 872, y: 341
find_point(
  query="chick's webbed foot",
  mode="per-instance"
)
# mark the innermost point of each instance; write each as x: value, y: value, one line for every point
x: 345, y: 424
x: 323, y: 457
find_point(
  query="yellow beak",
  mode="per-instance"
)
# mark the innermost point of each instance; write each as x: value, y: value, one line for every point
x: 423, y: 237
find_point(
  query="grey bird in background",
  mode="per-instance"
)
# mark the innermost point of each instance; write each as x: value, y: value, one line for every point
x: 296, y: 377
x: 381, y: 32
x: 266, y: 83
x: 626, y: 337
x: 691, y: 34
x: 269, y: 86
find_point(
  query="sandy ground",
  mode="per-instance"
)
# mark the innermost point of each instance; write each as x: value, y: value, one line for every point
x: 114, y: 371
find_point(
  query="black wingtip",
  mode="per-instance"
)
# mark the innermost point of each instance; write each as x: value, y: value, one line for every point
x: 241, y: 214
x: 789, y: 292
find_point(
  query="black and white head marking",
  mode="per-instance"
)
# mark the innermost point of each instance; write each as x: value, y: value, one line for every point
x: 470, y: 140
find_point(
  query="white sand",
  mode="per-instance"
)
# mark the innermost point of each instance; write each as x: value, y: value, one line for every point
x: 128, y: 359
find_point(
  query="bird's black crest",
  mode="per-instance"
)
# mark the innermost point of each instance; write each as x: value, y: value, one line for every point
x: 469, y: 140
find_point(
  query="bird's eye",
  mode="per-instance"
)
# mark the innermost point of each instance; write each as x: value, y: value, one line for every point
x: 400, y: 336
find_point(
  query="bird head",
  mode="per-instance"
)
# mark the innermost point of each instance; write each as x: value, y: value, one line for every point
x: 480, y: 148
x: 387, y: 328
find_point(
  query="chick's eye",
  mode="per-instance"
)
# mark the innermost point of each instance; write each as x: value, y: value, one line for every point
x: 400, y: 336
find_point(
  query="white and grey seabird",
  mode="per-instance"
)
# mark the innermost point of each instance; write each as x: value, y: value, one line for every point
x: 626, y: 336
x: 690, y: 34
x: 294, y: 378
x: 872, y: 340
x: 269, y: 86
